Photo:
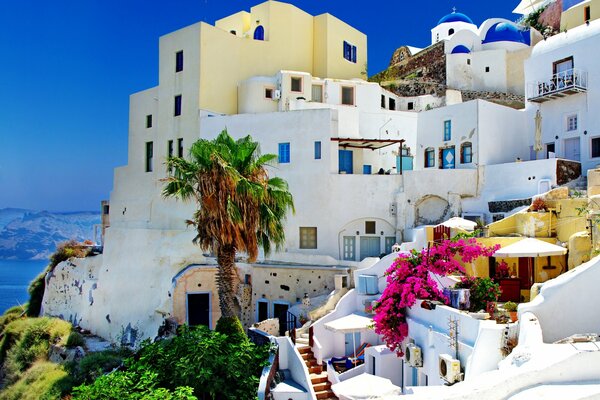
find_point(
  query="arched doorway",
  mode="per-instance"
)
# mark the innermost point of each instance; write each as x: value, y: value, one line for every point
x: 259, y: 33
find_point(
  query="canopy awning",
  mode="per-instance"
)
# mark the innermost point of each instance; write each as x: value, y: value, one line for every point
x: 460, y: 223
x: 369, y: 144
x: 350, y: 323
x: 526, y: 7
x: 531, y: 248
x: 365, y: 386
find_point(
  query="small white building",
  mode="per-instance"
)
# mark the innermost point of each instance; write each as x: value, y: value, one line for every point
x: 562, y: 76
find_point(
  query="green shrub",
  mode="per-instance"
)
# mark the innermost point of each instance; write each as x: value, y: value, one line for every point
x: 43, y: 381
x: 230, y: 326
x: 36, y: 294
x: 94, y: 365
x: 10, y: 315
x: 75, y: 339
x: 66, y: 250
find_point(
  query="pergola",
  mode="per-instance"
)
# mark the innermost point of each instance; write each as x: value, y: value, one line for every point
x: 370, y: 144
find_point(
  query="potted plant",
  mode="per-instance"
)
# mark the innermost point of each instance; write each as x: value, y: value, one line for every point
x: 511, y: 308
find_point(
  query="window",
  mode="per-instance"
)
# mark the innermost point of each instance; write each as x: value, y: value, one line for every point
x: 349, y: 52
x: 562, y: 66
x: 550, y: 148
x: 596, y: 147
x: 268, y: 93
x: 233, y: 32
x: 105, y: 209
x: 259, y: 33
x: 468, y: 61
x: 487, y: 69
x: 308, y: 238
x: 437, y: 37
x: 450, y: 32
x: 367, y: 169
x: 149, y: 121
x: 296, y: 84
x: 447, y: 130
x: 149, y: 156
x: 370, y: 227
x: 179, y: 61
x: 177, y: 109
x: 466, y: 153
x: 572, y: 123
x: 317, y: 150
x: 587, y: 14
x: 348, y: 95
x: 180, y: 147
x: 170, y: 148
x: 429, y: 158
x: 392, y: 103
x: 382, y: 101
x: 411, y: 105
x: 317, y: 93
x: 284, y: 153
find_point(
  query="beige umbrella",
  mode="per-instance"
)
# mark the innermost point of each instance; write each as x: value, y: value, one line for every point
x: 460, y: 223
x: 538, y: 132
x: 365, y: 386
x: 526, y: 7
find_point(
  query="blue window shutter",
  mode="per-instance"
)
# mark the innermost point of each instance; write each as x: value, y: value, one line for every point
x: 362, y: 284
x: 284, y: 153
x: 353, y: 54
x: 317, y: 150
x: 371, y: 281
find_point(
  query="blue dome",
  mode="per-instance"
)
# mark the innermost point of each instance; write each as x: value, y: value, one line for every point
x: 455, y: 17
x: 505, y: 32
x: 460, y: 49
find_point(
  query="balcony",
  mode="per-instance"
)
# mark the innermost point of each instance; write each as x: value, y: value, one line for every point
x: 562, y: 84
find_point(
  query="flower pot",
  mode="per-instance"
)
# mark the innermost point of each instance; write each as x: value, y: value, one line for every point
x: 513, y: 316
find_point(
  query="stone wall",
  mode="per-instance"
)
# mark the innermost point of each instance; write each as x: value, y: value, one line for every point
x: 506, y: 99
x: 550, y: 17
x: 567, y: 171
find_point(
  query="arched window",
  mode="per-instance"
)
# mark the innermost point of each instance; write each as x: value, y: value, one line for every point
x: 466, y: 153
x: 259, y: 33
x: 451, y: 32
x: 429, y: 157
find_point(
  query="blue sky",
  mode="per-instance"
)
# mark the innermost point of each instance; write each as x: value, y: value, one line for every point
x: 68, y: 67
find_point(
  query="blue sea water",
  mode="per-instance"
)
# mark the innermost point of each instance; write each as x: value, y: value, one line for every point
x: 15, y: 277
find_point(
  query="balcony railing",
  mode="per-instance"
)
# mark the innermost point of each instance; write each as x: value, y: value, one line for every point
x: 562, y: 84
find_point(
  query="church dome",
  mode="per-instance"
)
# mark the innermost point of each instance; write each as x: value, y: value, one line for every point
x: 460, y: 49
x: 504, y: 32
x: 455, y: 17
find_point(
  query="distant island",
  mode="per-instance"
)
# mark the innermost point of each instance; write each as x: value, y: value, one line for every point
x: 33, y: 235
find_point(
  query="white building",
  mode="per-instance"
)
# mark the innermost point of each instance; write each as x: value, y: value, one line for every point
x: 562, y: 84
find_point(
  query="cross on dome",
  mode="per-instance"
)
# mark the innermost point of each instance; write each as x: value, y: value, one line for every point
x: 453, y: 10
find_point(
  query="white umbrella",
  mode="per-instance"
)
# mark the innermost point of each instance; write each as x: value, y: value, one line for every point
x: 460, y: 223
x: 350, y: 324
x: 531, y: 248
x: 365, y: 386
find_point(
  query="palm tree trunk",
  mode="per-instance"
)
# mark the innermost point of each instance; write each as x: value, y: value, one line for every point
x: 227, y: 281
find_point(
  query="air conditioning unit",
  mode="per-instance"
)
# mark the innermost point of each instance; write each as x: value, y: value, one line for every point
x: 277, y: 94
x: 449, y: 368
x: 413, y: 355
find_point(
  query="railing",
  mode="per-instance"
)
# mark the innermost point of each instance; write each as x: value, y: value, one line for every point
x: 291, y: 322
x: 572, y: 80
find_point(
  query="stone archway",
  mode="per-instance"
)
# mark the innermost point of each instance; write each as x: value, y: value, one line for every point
x: 432, y: 210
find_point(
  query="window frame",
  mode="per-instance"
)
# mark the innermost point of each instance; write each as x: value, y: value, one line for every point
x: 148, y: 121
x: 572, y: 127
x: 305, y: 242
x: 321, y: 89
x: 592, y: 147
x: 463, y: 158
x: 271, y: 90
x: 426, y: 164
x: 369, y: 225
x: 556, y: 63
x: 284, y: 153
x: 547, y: 145
x: 180, y: 147
x: 179, y: 61
x: 391, y: 103
x: 410, y: 106
x: 349, y: 52
x: 353, y: 95
x: 177, y: 105
x: 149, y: 157
x: 318, y: 150
x: 587, y: 13
x: 301, y: 80
x: 447, y: 130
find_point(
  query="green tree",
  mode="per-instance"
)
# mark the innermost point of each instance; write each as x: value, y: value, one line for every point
x: 239, y: 207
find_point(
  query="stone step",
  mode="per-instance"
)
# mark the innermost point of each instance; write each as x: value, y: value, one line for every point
x: 322, y: 386
x: 311, y: 362
x: 304, y: 349
x: 302, y: 341
x: 306, y: 356
x: 325, y: 394
x: 304, y: 336
x: 318, y: 378
x: 317, y: 369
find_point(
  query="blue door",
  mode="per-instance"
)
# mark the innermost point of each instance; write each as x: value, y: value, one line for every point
x: 345, y: 162
x: 448, y: 159
x: 352, y: 343
x: 407, y: 163
x: 370, y: 246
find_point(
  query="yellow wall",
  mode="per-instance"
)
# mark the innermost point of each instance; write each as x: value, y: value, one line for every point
x: 575, y: 16
x: 531, y: 224
x: 290, y: 44
x: 239, y: 22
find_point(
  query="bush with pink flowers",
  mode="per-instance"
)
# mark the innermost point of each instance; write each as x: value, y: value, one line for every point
x: 410, y: 277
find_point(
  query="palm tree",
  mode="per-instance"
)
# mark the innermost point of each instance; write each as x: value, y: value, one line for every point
x: 239, y: 207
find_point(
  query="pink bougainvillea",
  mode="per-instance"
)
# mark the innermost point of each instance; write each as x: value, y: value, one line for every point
x: 410, y: 278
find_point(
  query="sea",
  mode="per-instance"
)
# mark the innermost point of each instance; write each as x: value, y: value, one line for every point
x: 15, y: 277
